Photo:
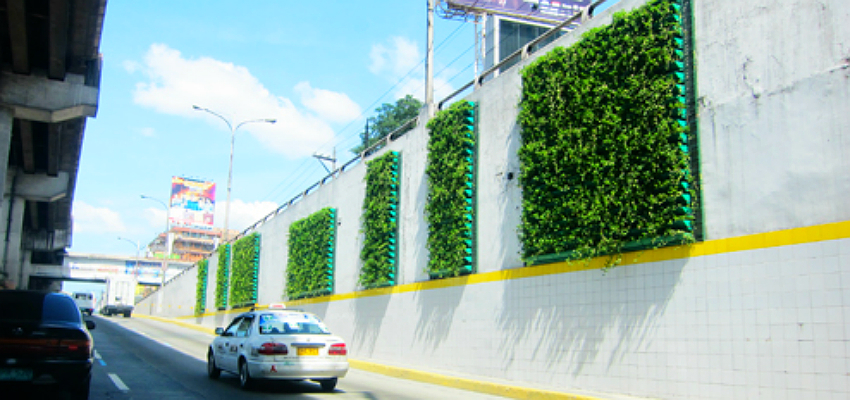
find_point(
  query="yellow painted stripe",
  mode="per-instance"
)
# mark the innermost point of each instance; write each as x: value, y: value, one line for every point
x: 189, y: 325
x: 810, y: 234
x: 514, y: 392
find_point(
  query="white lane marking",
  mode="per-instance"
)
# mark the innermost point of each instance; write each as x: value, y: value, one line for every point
x: 100, y: 360
x: 119, y: 383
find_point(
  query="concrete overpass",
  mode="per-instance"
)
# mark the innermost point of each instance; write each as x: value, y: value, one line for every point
x: 49, y: 85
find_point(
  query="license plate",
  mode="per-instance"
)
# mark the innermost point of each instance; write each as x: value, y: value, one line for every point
x: 308, y: 351
x: 15, y: 374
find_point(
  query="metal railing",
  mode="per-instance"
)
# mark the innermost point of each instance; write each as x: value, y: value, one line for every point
x: 523, y: 53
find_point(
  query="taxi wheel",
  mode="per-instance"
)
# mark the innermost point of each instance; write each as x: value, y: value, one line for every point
x: 212, y: 370
x: 328, y: 385
x: 245, y: 381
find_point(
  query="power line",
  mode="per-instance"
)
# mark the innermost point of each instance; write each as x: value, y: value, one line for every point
x: 297, y: 177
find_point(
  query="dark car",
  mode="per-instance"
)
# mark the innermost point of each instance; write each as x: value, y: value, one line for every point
x: 44, y: 342
x: 117, y: 309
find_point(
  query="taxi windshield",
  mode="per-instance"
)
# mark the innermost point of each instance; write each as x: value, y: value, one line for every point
x: 291, y: 323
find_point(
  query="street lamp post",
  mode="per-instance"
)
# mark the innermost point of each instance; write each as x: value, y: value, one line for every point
x: 135, y: 243
x: 230, y: 169
x: 167, y: 233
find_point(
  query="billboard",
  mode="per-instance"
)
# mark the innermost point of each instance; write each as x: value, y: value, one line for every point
x: 537, y: 10
x: 192, y: 203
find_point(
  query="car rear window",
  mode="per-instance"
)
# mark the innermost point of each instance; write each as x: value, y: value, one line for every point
x: 291, y: 323
x: 59, y: 308
x: 32, y: 306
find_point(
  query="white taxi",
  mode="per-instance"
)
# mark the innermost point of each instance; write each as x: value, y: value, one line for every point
x: 278, y: 344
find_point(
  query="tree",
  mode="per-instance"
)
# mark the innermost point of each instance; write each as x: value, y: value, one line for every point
x: 388, y: 117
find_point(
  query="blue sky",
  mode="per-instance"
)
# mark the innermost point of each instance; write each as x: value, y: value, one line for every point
x: 319, y: 68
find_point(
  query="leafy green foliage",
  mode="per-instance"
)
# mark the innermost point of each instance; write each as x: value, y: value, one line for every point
x: 309, y: 271
x: 449, y: 208
x: 246, y: 262
x: 201, y: 288
x: 380, y: 222
x: 604, y: 156
x: 222, y: 276
x: 388, y: 118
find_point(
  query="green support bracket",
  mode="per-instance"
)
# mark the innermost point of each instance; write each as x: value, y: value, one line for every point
x: 685, y: 224
x: 678, y: 42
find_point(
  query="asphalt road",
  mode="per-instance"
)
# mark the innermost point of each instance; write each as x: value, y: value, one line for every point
x: 145, y: 359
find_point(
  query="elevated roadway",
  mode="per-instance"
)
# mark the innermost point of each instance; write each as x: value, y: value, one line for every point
x: 50, y: 69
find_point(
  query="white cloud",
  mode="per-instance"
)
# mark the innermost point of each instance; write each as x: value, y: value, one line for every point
x: 242, y: 214
x: 175, y: 83
x: 400, y: 61
x: 333, y: 106
x: 147, y: 132
x: 130, y: 66
x: 416, y: 88
x: 156, y: 218
x: 88, y: 218
x: 395, y: 59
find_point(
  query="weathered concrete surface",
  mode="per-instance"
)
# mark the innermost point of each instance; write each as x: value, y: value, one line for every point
x: 756, y: 316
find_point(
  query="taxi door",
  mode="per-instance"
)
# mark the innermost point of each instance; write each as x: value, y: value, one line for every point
x: 239, y: 343
x: 225, y: 346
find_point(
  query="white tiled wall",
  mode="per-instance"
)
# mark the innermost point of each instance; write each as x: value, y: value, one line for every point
x: 769, y: 323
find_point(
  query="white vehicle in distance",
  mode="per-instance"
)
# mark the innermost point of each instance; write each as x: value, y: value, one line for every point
x: 85, y: 301
x: 278, y: 344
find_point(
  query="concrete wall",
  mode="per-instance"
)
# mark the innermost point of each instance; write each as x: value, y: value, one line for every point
x: 772, y: 82
x: 759, y: 310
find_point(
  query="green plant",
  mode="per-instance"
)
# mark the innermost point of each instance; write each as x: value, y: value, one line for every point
x: 450, y: 206
x: 310, y: 269
x: 604, y: 155
x: 222, y: 276
x: 388, y: 118
x: 380, y: 222
x: 246, y: 264
x: 201, y: 288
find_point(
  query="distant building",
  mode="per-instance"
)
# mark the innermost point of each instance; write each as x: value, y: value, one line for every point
x: 505, y: 35
x: 187, y: 244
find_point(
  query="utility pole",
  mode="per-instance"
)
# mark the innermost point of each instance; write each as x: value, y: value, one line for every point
x: 429, y: 63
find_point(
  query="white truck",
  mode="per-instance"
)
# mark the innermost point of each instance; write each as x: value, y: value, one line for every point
x: 120, y: 297
x: 85, y: 301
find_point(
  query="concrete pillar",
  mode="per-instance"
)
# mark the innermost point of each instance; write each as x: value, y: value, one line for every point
x: 6, y: 118
x: 10, y: 247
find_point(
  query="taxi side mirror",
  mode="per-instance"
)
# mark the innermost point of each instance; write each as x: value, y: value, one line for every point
x: 219, y: 331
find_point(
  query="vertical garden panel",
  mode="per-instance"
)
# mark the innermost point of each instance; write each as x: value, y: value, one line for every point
x: 222, y: 280
x: 246, y: 263
x: 380, y: 222
x: 450, y: 206
x: 605, y: 160
x: 201, y: 288
x: 312, y: 247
